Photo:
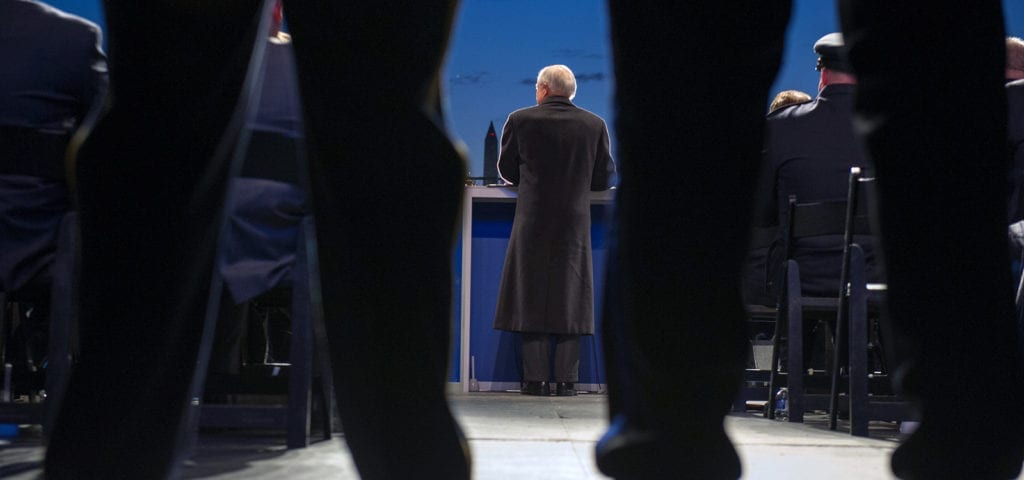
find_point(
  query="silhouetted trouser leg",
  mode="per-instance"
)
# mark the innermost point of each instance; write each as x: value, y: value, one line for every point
x: 931, y: 104
x: 387, y: 185
x: 692, y: 85
x: 150, y: 206
x: 151, y: 203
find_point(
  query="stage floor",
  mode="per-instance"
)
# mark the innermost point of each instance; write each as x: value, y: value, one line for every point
x: 513, y: 437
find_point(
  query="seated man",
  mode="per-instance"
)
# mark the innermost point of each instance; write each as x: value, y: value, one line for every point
x: 754, y: 286
x: 266, y: 207
x: 809, y: 149
x: 1015, y: 137
x: 54, y: 71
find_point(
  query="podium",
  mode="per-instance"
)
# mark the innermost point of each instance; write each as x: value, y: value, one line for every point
x: 479, y: 257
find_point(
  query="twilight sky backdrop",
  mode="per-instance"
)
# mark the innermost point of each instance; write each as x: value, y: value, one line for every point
x: 499, y: 45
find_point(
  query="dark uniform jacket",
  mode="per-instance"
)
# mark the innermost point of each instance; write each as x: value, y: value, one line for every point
x: 556, y: 153
x: 1015, y: 130
x: 53, y: 72
x: 809, y: 149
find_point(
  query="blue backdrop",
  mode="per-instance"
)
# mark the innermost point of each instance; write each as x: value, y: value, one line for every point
x: 499, y: 45
x: 496, y: 50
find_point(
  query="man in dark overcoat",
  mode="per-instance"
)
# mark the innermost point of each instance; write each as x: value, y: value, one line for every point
x: 556, y: 153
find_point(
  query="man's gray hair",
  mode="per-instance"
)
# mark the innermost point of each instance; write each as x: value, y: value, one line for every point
x: 1015, y: 54
x: 559, y: 80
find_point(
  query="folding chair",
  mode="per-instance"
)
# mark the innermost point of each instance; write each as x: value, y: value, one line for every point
x: 840, y: 219
x: 307, y: 362
x: 62, y: 330
x: 804, y: 220
x: 761, y: 314
x: 857, y: 298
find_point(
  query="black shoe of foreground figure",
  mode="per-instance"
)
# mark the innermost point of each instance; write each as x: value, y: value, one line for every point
x: 955, y: 452
x: 627, y: 452
x: 536, y: 388
x: 565, y: 389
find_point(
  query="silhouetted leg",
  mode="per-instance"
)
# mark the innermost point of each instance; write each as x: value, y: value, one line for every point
x: 692, y: 85
x: 150, y: 205
x: 613, y: 335
x: 386, y: 184
x: 931, y: 103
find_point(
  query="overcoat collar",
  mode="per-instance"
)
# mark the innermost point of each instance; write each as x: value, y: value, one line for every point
x: 557, y: 99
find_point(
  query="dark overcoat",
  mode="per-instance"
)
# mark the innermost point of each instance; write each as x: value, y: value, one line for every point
x: 556, y: 153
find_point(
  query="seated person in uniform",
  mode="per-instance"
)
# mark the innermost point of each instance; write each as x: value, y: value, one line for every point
x: 54, y: 73
x: 809, y: 149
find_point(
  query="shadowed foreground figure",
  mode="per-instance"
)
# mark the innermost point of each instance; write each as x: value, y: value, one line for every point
x: 151, y: 204
x: 675, y: 325
x: 151, y: 200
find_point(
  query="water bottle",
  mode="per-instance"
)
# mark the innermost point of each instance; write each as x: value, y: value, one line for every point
x: 7, y: 430
x: 781, y: 404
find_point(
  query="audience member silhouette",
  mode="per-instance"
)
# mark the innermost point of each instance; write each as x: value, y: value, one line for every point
x: 1015, y: 124
x: 675, y: 341
x: 786, y: 98
x: 54, y: 72
x: 1015, y: 147
x: 755, y: 282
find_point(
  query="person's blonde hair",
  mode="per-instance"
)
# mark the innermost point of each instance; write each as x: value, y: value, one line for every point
x: 559, y: 80
x: 786, y: 98
x: 1015, y: 54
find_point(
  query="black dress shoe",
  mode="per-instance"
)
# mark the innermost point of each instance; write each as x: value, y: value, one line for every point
x: 629, y: 452
x: 541, y: 389
x: 565, y: 389
x: 953, y: 452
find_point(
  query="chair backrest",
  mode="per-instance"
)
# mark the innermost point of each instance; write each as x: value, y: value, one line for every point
x: 831, y: 217
x: 828, y: 218
x: 858, y: 209
x: 819, y: 233
x: 27, y: 151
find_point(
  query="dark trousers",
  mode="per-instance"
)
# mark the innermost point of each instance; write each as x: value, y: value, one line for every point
x: 537, y: 357
x: 680, y: 229
x: 679, y: 234
x: 152, y: 199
